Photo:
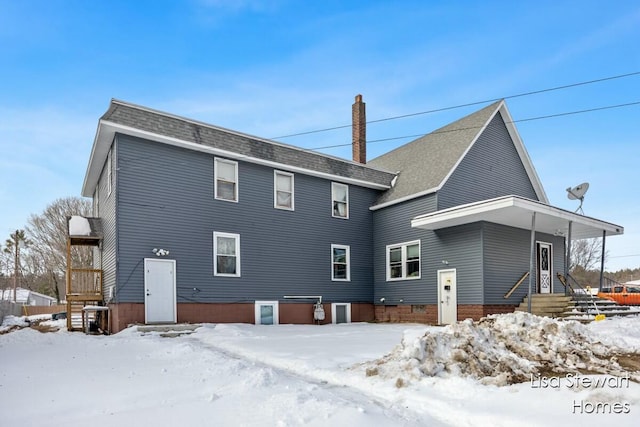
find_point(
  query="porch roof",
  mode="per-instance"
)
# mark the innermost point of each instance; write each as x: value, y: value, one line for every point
x: 515, y: 211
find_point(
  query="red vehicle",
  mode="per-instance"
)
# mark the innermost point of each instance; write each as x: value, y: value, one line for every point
x: 622, y: 294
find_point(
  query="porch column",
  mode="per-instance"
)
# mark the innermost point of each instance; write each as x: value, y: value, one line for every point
x: 531, y: 259
x: 604, y: 239
x: 567, y: 262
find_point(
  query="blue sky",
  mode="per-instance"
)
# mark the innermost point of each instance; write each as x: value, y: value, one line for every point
x: 273, y: 68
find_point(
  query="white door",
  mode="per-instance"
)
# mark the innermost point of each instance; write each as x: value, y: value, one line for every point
x: 160, y: 290
x: 544, y: 267
x: 447, y: 297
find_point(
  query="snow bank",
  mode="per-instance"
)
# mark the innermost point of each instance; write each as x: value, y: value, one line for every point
x: 501, y: 350
x: 79, y: 226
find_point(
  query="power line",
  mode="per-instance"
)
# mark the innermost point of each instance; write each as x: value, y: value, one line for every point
x: 477, y: 127
x: 469, y: 104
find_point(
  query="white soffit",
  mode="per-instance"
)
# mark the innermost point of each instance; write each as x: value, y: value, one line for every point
x: 514, y: 211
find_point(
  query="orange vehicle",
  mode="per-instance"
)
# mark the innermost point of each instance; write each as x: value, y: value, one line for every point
x: 622, y: 294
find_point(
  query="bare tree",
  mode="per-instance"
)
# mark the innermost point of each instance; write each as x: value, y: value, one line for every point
x: 16, y: 241
x: 48, y: 232
x: 586, y: 256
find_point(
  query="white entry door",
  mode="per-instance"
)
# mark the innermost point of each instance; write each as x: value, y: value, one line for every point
x: 447, y: 297
x: 545, y: 257
x: 159, y: 290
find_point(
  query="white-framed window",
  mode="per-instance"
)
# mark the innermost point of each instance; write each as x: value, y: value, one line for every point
x: 226, y: 254
x: 266, y: 312
x: 283, y: 190
x: 403, y: 261
x: 340, y: 263
x: 226, y: 185
x: 109, y: 174
x: 340, y: 312
x: 339, y: 200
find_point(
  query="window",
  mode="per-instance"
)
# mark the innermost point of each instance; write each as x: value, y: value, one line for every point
x: 226, y: 254
x: 403, y: 261
x: 340, y: 200
x: 283, y: 190
x: 340, y: 270
x: 109, y: 174
x: 266, y: 312
x: 226, y: 187
x: 340, y: 312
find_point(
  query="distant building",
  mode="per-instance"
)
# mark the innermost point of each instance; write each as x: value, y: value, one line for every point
x: 28, y: 297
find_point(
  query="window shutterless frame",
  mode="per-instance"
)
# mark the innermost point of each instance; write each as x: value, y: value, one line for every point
x: 226, y: 179
x: 403, y: 261
x: 226, y: 254
x: 339, y: 200
x: 340, y: 263
x: 283, y: 190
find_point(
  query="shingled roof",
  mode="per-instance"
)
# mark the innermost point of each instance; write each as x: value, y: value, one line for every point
x: 424, y: 164
x: 159, y: 126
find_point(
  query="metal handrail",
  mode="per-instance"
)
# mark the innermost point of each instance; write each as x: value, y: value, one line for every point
x: 576, y: 284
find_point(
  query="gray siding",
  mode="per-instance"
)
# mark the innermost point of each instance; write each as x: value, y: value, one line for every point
x: 459, y: 246
x: 507, y: 252
x: 166, y: 200
x: 491, y: 168
x: 106, y: 257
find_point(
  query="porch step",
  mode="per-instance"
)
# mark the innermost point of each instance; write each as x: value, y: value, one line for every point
x: 548, y: 305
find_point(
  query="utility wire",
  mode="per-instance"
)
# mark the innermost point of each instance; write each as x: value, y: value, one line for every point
x: 467, y: 104
x: 478, y: 127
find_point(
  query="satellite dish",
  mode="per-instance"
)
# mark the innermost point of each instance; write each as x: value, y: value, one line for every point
x: 577, y: 193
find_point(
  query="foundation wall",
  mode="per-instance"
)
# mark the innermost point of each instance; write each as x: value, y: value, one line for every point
x: 125, y: 314
x: 429, y: 313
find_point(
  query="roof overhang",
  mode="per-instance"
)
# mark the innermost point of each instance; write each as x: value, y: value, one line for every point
x: 514, y: 211
x: 107, y: 130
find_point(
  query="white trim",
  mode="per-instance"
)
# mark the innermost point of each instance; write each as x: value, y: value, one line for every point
x: 276, y: 310
x: 333, y: 199
x: 216, y: 161
x: 106, y: 130
x: 275, y: 190
x: 217, y: 234
x: 519, y: 146
x: 404, y: 199
x: 515, y: 211
x: 348, y: 262
x: 403, y: 249
x: 342, y: 304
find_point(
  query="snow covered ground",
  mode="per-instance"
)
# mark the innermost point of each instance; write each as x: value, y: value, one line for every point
x: 339, y: 375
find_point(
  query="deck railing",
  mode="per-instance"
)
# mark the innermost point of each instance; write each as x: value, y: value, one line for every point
x: 85, y: 281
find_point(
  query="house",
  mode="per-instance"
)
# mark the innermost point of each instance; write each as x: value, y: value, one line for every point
x: 24, y: 296
x: 203, y: 224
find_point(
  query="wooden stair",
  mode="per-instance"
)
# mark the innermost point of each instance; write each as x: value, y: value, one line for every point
x: 549, y: 305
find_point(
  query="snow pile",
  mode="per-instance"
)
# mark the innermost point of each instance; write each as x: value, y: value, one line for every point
x: 501, y: 350
x: 79, y: 226
x: 10, y: 323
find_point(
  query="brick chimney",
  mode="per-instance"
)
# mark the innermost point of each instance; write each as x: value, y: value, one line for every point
x: 359, y: 130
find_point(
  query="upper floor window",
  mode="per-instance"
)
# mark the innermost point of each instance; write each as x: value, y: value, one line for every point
x: 340, y: 263
x: 283, y: 190
x: 403, y: 261
x: 340, y: 200
x: 226, y: 254
x: 226, y: 186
